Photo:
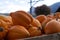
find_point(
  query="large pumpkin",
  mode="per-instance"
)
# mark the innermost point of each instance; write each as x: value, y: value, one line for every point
x: 34, y: 31
x: 52, y: 26
x: 21, y: 18
x: 17, y: 32
x: 41, y: 18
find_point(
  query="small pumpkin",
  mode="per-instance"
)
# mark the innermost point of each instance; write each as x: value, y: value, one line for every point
x: 34, y: 31
x: 36, y: 23
x: 50, y: 16
x: 44, y: 24
x: 9, y: 22
x: 52, y: 26
x: 41, y: 18
x: 46, y: 21
x: 17, y: 32
x: 2, y: 33
x: 3, y: 24
x: 21, y: 18
x: 7, y: 19
x: 3, y: 29
x: 57, y: 15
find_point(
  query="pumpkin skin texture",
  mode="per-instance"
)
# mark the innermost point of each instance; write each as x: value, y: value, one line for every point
x: 52, y: 27
x: 21, y: 18
x: 18, y: 32
x: 41, y: 18
x: 36, y: 23
x: 34, y: 31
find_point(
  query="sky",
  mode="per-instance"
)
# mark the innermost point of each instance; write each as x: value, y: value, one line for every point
x: 7, y: 6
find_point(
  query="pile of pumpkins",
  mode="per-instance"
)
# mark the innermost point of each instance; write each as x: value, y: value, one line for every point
x: 20, y: 24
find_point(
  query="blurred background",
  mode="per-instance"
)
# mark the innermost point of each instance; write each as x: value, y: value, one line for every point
x: 7, y: 6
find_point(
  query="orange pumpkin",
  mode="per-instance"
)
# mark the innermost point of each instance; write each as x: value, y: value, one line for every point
x: 34, y: 31
x: 46, y: 21
x: 17, y: 32
x: 3, y: 17
x: 7, y: 19
x: 41, y: 18
x: 21, y: 18
x: 3, y: 29
x: 9, y: 22
x: 44, y: 24
x: 57, y: 15
x: 52, y: 26
x: 2, y: 33
x: 3, y: 24
x: 36, y: 23
x: 50, y: 16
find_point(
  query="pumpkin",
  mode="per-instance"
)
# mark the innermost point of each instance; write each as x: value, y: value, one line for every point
x: 9, y: 23
x: 21, y: 18
x: 57, y: 15
x: 3, y: 17
x: 46, y: 21
x: 52, y: 26
x: 17, y: 32
x: 34, y: 31
x: 50, y: 16
x: 3, y: 24
x: 2, y: 32
x: 36, y: 23
x: 44, y: 24
x: 41, y: 18
x: 3, y: 28
x: 7, y: 19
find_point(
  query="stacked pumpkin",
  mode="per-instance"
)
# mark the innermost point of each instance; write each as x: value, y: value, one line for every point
x: 21, y: 24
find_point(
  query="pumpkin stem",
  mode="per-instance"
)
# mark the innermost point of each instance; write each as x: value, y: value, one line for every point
x: 1, y: 29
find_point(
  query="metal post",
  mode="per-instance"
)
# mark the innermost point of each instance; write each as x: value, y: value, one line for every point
x: 31, y: 6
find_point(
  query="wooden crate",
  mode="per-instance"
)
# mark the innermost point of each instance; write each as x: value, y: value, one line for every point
x: 55, y: 36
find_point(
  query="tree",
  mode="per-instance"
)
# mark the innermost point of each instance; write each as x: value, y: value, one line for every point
x: 42, y: 10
